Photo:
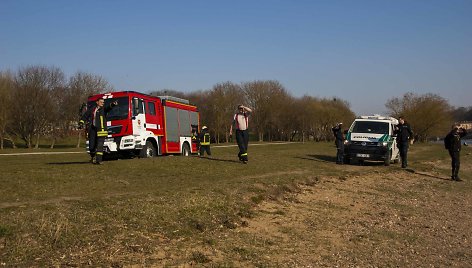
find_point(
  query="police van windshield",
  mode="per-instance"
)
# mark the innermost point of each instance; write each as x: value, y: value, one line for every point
x: 370, y: 127
x: 117, y: 112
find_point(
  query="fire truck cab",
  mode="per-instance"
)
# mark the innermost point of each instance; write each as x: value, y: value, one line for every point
x: 148, y: 126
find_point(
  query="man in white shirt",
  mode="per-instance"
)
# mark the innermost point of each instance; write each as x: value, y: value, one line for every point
x: 240, y: 122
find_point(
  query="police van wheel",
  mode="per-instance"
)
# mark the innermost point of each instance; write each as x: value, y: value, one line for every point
x: 388, y: 156
x: 347, y: 160
x: 149, y: 150
x: 185, y: 149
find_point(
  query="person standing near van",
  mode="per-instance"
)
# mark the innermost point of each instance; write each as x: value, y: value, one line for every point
x: 404, y: 134
x: 452, y: 142
x: 240, y: 123
x: 339, y: 141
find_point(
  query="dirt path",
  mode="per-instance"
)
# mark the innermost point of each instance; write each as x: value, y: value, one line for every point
x: 399, y: 219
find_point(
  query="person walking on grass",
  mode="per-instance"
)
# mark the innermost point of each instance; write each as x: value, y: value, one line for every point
x: 240, y: 123
x: 452, y: 142
x: 404, y: 134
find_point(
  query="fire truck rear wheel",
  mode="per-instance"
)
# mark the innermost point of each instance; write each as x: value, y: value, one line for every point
x: 149, y: 150
x: 185, y: 149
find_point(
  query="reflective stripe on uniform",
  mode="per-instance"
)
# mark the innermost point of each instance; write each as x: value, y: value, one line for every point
x: 99, y: 153
x: 206, y: 139
x: 245, y: 154
x: 102, y: 133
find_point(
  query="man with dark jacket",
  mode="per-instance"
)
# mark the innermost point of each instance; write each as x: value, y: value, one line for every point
x: 204, y: 138
x: 97, y: 131
x: 452, y: 142
x: 404, y: 134
x: 339, y: 141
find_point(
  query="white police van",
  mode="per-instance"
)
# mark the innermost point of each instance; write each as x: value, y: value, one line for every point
x: 371, y: 138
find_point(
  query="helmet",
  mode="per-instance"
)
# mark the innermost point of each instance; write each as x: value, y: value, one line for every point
x: 204, y: 127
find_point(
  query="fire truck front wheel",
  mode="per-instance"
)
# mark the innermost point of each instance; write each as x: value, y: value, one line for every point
x: 149, y: 150
x: 185, y: 149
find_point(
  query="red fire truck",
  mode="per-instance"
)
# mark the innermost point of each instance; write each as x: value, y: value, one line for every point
x: 148, y: 126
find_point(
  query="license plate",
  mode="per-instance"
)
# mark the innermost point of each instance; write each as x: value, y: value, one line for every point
x: 363, y: 155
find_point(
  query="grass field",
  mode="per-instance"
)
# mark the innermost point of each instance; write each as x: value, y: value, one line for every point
x: 59, y: 210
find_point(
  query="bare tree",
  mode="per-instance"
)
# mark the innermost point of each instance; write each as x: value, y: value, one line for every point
x: 263, y: 98
x: 428, y: 114
x: 223, y: 100
x: 81, y: 85
x: 34, y: 113
x: 6, y: 104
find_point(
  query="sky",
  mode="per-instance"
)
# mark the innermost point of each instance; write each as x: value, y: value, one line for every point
x: 364, y: 52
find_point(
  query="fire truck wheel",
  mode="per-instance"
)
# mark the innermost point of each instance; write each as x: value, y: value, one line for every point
x: 185, y: 149
x: 149, y: 150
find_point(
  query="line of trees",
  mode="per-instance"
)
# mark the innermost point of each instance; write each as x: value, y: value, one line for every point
x: 40, y: 101
x: 277, y: 115
x: 429, y: 115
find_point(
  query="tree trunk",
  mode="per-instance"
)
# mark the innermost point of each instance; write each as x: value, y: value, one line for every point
x: 8, y: 138
x: 36, y: 146
x: 79, y: 138
x: 53, y: 142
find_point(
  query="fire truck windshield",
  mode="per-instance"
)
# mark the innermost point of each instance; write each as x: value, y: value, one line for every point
x: 120, y: 111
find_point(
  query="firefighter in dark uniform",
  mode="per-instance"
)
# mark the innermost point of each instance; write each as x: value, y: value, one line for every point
x: 452, y: 142
x: 404, y: 134
x: 195, y: 137
x: 339, y: 141
x: 97, y: 131
x: 204, y: 138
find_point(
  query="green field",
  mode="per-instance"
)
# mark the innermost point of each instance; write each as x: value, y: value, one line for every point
x: 59, y: 210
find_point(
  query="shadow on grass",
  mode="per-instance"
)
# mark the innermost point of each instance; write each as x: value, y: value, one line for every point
x: 426, y: 174
x: 217, y: 159
x: 332, y: 159
x: 69, y: 163
x: 318, y: 157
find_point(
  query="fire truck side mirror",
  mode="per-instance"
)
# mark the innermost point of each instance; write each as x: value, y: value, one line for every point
x: 135, y: 107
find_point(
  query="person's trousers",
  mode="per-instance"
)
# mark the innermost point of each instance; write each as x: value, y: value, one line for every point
x: 205, y: 148
x: 340, y: 153
x: 455, y: 163
x: 95, y: 145
x: 242, y: 138
x: 403, y: 147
